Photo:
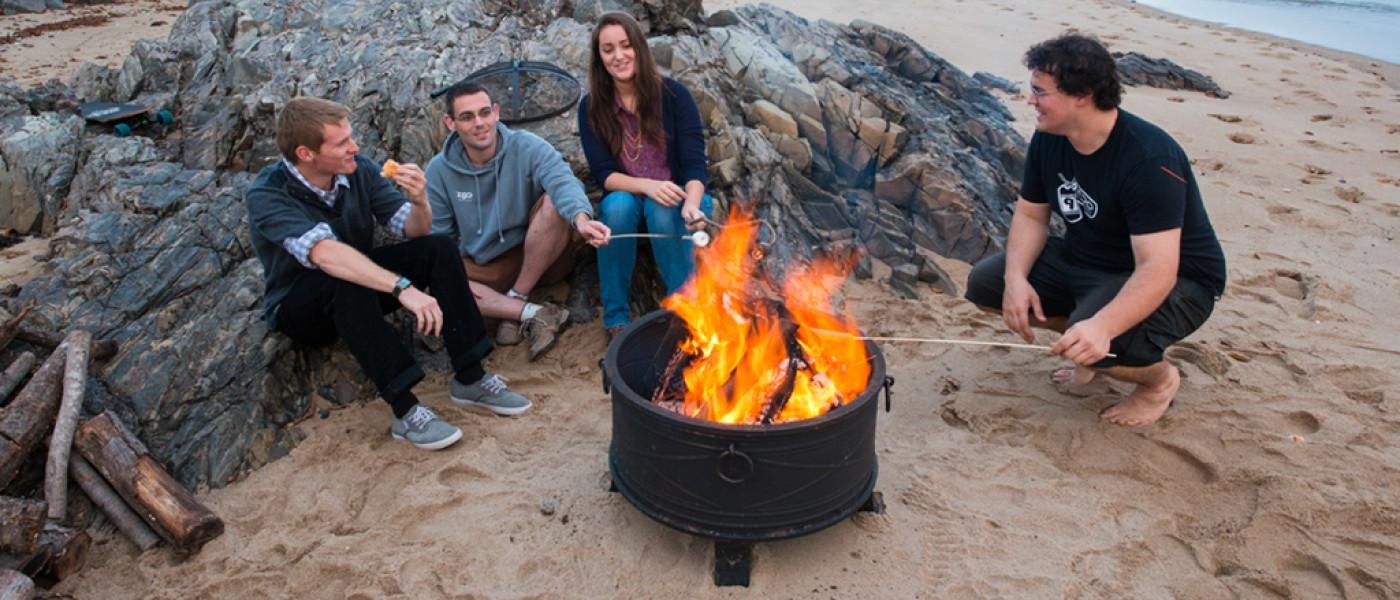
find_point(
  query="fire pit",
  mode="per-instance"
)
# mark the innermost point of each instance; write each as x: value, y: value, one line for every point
x: 731, y: 473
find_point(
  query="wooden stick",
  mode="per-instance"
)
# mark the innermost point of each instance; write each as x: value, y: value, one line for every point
x: 11, y: 327
x: 170, y: 509
x: 61, y: 442
x: 101, y: 349
x: 28, y: 419
x: 15, y: 585
x: 20, y: 524
x: 112, y: 504
x: 14, y: 374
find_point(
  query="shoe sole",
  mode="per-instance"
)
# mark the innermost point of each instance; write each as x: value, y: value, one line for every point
x: 438, y: 445
x: 558, y: 333
x: 502, y: 411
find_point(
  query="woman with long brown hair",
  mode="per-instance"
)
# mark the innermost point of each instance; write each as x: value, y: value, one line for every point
x: 645, y: 145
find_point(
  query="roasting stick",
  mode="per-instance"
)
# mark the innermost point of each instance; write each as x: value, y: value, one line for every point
x: 943, y: 341
x: 699, y: 238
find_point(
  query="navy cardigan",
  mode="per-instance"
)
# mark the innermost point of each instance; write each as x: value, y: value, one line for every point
x: 685, y: 138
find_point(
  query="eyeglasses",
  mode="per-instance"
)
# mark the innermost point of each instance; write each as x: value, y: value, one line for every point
x: 467, y: 117
x: 1040, y: 93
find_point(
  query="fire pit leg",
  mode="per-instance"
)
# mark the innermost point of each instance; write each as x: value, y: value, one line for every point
x: 733, y: 560
x: 875, y: 504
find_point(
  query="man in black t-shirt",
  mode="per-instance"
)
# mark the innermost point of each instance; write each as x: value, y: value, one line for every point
x: 1139, y: 267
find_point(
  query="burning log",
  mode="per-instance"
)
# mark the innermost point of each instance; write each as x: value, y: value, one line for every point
x: 15, y: 585
x: 14, y: 374
x: 670, y: 389
x: 101, y: 350
x: 20, y: 524
x: 170, y: 509
x: 61, y: 442
x: 26, y: 421
x: 11, y: 328
x: 112, y: 504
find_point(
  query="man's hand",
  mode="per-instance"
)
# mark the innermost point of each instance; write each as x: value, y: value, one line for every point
x: 594, y: 232
x: 1018, y: 302
x: 424, y: 308
x: 665, y: 193
x: 410, y: 177
x: 1085, y: 343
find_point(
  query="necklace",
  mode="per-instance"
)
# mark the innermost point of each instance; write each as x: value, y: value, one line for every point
x: 631, y: 145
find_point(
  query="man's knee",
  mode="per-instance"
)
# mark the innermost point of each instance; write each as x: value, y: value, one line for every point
x: 546, y: 214
x: 986, y: 282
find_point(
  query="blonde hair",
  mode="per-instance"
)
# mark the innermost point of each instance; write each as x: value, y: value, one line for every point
x: 302, y: 122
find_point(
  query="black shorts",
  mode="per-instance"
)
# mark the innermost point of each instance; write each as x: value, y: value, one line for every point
x: 1076, y: 292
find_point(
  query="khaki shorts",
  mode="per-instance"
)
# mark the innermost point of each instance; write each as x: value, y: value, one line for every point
x: 501, y: 272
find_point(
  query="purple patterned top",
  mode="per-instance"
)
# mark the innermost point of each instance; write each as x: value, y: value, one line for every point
x: 639, y: 158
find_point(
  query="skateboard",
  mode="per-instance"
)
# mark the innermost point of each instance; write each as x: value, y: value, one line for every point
x: 124, y: 118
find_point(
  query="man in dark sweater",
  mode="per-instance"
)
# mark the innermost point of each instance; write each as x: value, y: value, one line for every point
x: 1139, y: 267
x: 313, y: 216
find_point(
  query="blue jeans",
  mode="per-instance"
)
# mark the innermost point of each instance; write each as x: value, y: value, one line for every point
x: 624, y: 213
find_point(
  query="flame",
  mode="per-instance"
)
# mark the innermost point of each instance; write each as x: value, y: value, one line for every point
x: 741, y: 361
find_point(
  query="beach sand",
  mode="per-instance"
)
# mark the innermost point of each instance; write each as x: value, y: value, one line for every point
x: 1275, y: 475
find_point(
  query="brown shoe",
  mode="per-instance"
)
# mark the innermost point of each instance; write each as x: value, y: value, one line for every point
x: 508, y: 333
x: 543, y: 329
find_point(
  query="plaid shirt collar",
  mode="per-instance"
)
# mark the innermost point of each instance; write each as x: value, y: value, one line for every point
x: 327, y: 197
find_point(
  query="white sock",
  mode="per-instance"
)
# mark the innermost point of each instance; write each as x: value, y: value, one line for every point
x: 529, y: 311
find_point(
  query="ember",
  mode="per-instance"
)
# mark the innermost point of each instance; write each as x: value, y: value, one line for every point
x: 757, y: 355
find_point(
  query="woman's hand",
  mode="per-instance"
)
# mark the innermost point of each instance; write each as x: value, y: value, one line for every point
x: 665, y: 193
x: 692, y: 215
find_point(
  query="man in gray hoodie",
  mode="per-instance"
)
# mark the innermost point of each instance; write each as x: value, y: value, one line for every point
x: 508, y: 198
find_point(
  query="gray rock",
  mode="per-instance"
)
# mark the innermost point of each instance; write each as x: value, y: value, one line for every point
x: 995, y: 82
x: 37, y: 162
x: 1139, y: 69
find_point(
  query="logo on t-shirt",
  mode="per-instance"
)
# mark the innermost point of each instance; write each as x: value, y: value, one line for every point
x: 1075, y: 203
x: 464, y: 196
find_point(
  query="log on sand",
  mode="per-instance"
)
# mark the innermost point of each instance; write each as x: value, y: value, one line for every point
x: 61, y: 552
x: 100, y: 349
x: 170, y: 509
x: 20, y: 524
x: 15, y: 374
x: 112, y: 504
x: 15, y: 585
x: 26, y: 421
x: 61, y: 442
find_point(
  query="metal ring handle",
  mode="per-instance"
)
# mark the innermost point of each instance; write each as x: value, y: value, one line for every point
x: 730, y: 455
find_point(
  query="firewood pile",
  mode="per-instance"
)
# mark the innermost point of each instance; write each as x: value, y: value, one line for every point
x: 41, y: 537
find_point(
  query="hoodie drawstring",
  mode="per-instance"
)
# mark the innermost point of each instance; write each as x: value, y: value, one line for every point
x: 477, y: 179
x: 500, y: 231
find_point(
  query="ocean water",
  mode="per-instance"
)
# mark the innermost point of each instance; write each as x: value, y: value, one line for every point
x: 1367, y: 27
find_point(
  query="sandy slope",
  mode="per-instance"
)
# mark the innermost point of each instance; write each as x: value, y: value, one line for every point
x: 1274, y: 476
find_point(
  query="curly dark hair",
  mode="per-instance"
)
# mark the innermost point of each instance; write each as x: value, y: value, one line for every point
x: 1081, y: 66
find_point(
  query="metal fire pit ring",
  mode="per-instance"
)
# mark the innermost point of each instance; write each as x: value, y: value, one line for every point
x: 735, y: 484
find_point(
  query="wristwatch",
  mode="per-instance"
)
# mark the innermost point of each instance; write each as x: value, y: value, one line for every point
x: 399, y: 286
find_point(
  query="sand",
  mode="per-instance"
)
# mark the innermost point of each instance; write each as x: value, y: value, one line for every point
x: 1275, y: 475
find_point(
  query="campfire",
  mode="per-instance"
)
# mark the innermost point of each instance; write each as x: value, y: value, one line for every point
x: 761, y: 351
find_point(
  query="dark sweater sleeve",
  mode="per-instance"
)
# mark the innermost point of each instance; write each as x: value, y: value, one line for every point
x: 600, y: 160
x: 690, y: 135
x: 273, y: 216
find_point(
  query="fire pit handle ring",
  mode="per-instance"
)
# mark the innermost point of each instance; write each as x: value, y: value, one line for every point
x: 731, y: 455
x: 889, y: 383
x: 607, y: 385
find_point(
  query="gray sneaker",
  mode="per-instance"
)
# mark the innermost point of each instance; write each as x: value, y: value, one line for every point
x: 423, y: 428
x: 543, y: 329
x: 489, y: 393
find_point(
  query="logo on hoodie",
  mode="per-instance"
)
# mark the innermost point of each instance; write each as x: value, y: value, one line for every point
x: 464, y: 196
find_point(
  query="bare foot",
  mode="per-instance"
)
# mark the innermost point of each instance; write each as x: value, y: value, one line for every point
x: 1146, y: 403
x: 1072, y: 375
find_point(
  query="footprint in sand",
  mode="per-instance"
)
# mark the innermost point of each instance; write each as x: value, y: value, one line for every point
x: 1365, y: 385
x: 1202, y: 356
x: 1241, y: 138
x: 1226, y: 118
x: 1303, y: 422
x: 1309, y: 577
x: 1180, y: 464
x: 457, y: 476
